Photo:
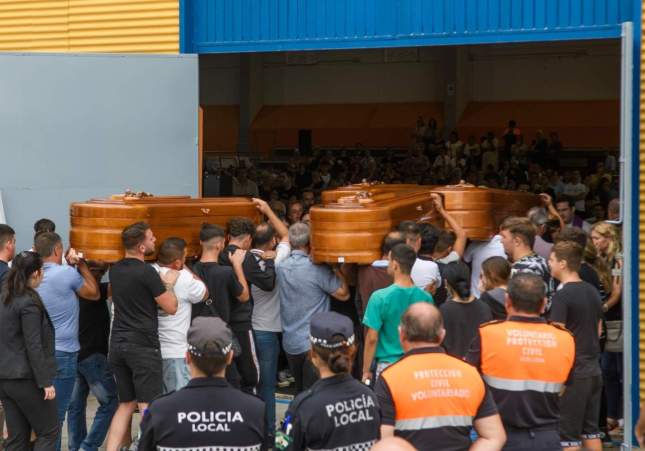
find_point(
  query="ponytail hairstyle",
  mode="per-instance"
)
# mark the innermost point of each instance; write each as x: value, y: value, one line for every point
x: 457, y: 278
x: 338, y: 360
x: 16, y: 282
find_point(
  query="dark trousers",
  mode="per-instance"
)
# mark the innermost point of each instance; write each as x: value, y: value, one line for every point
x: 244, y: 372
x: 303, y: 371
x: 539, y: 440
x: 26, y: 410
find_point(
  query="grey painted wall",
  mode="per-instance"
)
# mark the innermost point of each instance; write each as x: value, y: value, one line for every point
x: 73, y: 127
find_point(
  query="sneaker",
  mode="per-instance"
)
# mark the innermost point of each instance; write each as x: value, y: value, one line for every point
x: 283, y: 383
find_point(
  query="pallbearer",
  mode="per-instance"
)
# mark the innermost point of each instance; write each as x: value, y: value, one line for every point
x: 337, y: 412
x: 208, y: 413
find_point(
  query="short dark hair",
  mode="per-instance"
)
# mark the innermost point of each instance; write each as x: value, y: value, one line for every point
x: 527, y: 291
x: 429, y: 238
x: 575, y: 234
x: 568, y: 199
x: 446, y: 239
x: 521, y: 227
x: 6, y: 235
x: 171, y: 249
x: 391, y: 239
x: 405, y: 256
x: 210, y: 231
x: 210, y: 363
x: 46, y: 243
x: 239, y: 226
x: 409, y: 229
x: 570, y: 252
x: 264, y: 233
x: 134, y: 234
x: 424, y: 328
x: 44, y: 225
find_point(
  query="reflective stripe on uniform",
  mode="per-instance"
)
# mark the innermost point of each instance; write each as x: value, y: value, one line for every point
x: 210, y: 448
x: 415, y: 424
x: 522, y: 385
x: 363, y: 446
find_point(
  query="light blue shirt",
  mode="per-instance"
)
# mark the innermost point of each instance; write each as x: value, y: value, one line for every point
x: 304, y: 290
x: 58, y: 292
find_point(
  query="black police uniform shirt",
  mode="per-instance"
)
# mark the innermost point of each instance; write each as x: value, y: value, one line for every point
x: 206, y: 414
x: 337, y: 412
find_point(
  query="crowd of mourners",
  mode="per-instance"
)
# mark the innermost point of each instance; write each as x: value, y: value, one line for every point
x: 445, y: 343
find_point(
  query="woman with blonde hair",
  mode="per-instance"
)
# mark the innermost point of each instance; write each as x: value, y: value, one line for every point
x: 606, y: 241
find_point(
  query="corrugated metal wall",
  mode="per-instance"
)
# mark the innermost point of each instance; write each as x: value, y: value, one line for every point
x: 210, y: 26
x: 139, y: 26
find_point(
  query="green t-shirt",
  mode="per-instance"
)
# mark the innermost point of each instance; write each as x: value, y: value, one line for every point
x: 383, y: 314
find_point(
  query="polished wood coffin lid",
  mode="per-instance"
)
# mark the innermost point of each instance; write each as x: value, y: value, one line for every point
x: 96, y: 225
x: 352, y: 221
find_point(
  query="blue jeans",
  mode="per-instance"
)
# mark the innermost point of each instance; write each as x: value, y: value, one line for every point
x: 94, y: 376
x: 268, y: 347
x: 612, y: 374
x: 175, y: 374
x: 66, y: 364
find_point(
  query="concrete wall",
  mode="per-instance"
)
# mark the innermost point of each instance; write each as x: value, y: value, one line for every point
x: 74, y: 127
x: 562, y: 71
x: 559, y: 71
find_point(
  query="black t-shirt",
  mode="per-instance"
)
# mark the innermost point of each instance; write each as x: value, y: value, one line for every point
x: 4, y: 269
x: 94, y: 325
x: 223, y: 289
x: 135, y: 285
x: 494, y: 299
x: 589, y: 275
x: 462, y: 321
x: 577, y: 305
x: 255, y: 275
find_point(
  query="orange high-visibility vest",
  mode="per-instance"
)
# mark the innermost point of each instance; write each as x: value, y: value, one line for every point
x: 519, y: 356
x: 433, y: 390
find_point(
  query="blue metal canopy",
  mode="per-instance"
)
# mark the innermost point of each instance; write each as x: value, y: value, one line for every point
x: 221, y: 26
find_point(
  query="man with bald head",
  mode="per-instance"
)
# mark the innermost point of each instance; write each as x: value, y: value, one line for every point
x: 432, y: 399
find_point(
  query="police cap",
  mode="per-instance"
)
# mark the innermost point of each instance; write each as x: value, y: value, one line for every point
x: 331, y: 330
x: 209, y: 336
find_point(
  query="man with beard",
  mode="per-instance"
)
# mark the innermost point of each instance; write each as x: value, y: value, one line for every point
x: 135, y: 357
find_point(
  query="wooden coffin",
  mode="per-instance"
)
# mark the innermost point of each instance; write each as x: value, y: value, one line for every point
x: 96, y: 225
x: 352, y: 221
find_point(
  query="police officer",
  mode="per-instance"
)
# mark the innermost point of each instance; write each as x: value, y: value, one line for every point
x: 432, y: 399
x: 526, y: 362
x: 337, y: 412
x: 208, y: 413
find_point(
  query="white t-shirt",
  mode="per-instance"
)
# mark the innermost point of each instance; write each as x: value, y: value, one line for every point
x: 425, y: 272
x: 266, y: 304
x: 477, y: 253
x: 174, y: 328
x: 452, y: 257
x: 575, y: 190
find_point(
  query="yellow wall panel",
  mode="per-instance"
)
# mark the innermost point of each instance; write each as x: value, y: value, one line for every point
x: 113, y: 26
